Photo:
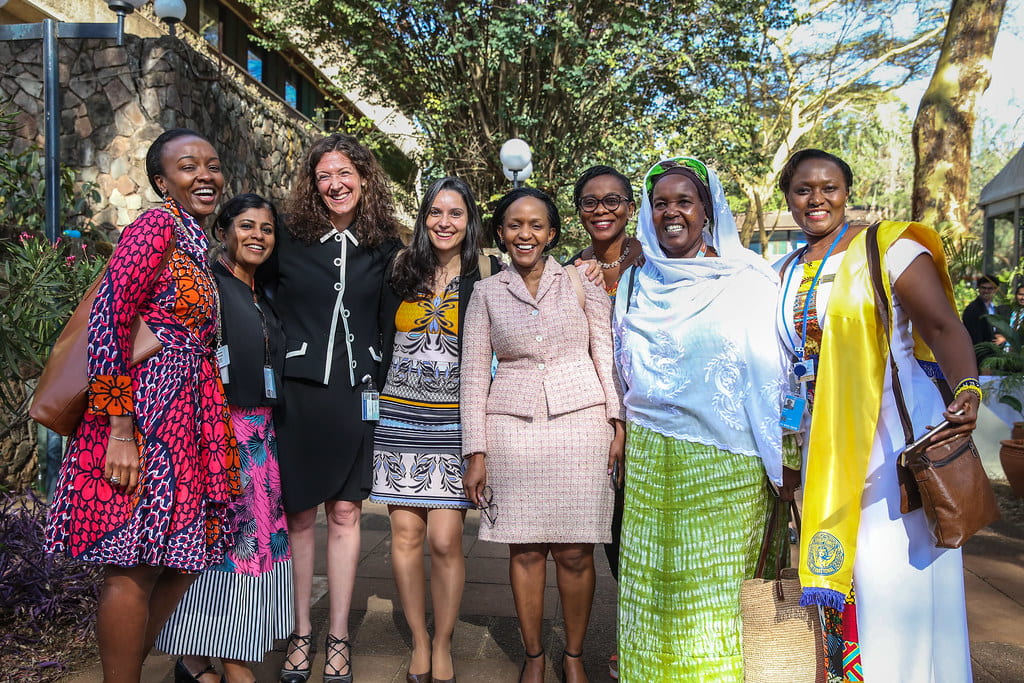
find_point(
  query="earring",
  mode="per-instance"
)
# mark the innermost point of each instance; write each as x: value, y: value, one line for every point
x: 707, y: 223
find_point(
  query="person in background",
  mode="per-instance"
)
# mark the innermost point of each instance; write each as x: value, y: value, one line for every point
x: 150, y: 471
x: 326, y: 276
x: 978, y: 327
x: 236, y: 609
x: 893, y: 604
x: 417, y: 458
x: 545, y: 435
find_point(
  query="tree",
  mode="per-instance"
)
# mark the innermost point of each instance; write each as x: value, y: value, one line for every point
x: 945, y: 119
x: 582, y: 82
x: 836, y: 58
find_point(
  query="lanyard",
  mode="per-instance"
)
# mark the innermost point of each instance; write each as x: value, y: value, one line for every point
x: 810, y: 292
x: 263, y: 316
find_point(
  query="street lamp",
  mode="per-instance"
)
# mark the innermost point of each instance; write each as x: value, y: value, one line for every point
x: 516, y: 160
x: 170, y: 12
x: 49, y: 30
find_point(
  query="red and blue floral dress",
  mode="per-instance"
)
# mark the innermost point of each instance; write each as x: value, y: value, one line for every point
x: 189, y: 464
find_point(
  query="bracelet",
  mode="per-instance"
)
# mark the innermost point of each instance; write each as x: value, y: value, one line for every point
x: 121, y: 438
x: 969, y: 387
x: 967, y: 382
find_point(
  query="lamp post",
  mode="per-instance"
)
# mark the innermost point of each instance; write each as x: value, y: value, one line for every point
x: 516, y: 161
x: 49, y: 31
x: 170, y: 12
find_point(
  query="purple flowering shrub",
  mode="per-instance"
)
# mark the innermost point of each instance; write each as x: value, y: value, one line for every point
x: 47, y: 602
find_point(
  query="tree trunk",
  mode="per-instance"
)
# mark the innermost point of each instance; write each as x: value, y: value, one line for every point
x: 945, y: 119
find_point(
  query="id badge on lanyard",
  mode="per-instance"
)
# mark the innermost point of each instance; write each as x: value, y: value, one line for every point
x: 371, y: 401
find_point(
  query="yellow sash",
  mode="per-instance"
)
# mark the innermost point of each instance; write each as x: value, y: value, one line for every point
x: 847, y: 400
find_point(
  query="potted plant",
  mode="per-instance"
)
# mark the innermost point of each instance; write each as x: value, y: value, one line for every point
x: 1006, y: 361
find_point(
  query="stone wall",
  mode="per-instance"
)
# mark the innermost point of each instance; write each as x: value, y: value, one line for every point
x: 116, y: 100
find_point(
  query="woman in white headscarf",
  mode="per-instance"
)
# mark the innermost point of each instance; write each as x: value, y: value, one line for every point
x: 701, y: 366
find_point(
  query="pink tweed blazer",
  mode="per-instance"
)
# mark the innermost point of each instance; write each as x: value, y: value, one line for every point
x: 553, y: 356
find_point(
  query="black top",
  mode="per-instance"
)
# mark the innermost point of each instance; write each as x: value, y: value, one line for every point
x: 391, y: 301
x: 328, y: 295
x: 243, y: 332
x: 977, y: 325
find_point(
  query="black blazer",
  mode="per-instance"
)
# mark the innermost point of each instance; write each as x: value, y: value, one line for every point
x: 977, y: 326
x: 390, y: 301
x: 328, y: 296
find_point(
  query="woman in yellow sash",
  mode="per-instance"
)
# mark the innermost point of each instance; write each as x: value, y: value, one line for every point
x: 894, y: 604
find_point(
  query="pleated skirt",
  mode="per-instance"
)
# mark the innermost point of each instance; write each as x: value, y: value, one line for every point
x: 232, y: 616
x: 691, y: 531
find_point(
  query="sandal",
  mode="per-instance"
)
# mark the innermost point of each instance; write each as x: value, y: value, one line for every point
x: 183, y: 675
x: 566, y: 653
x: 526, y: 661
x: 332, y: 649
x: 303, y: 645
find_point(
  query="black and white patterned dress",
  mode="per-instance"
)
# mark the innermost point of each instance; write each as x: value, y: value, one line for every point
x: 417, y: 457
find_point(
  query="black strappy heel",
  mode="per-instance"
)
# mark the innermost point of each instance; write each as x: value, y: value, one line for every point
x: 304, y: 646
x: 331, y: 647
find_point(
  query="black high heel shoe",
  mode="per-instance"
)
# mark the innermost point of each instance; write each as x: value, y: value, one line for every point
x: 566, y: 653
x: 304, y: 646
x: 525, y: 661
x: 331, y: 648
x: 183, y: 675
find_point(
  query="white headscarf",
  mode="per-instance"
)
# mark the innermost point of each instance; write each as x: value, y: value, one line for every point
x: 697, y: 348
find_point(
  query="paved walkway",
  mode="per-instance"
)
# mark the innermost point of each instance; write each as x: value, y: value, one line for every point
x: 487, y: 648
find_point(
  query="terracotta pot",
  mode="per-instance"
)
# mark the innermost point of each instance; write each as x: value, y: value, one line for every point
x: 1011, y: 456
x: 1017, y: 432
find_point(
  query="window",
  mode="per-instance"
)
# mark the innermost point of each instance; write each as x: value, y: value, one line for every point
x: 209, y: 22
x: 254, y: 65
x: 291, y: 95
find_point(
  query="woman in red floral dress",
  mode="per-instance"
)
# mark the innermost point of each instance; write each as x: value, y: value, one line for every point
x: 151, y: 468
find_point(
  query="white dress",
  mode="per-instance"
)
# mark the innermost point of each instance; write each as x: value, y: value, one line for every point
x: 911, y: 611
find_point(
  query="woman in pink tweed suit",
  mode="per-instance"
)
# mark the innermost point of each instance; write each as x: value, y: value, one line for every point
x: 543, y: 437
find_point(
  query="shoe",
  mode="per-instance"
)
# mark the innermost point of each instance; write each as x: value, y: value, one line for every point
x: 446, y: 680
x: 302, y: 645
x: 528, y: 657
x: 331, y: 648
x: 566, y: 653
x: 183, y: 675
x: 613, y: 666
x: 418, y: 678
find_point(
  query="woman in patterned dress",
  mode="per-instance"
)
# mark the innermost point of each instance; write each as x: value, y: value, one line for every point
x: 237, y: 608
x: 417, y: 458
x: 703, y: 374
x: 152, y: 467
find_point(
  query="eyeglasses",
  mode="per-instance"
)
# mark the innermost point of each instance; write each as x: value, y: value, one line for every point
x: 609, y: 201
x: 489, y: 509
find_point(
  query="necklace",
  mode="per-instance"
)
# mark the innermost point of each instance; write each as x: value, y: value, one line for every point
x: 618, y: 261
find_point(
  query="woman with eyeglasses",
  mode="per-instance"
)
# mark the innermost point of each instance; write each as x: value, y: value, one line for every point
x: 543, y: 437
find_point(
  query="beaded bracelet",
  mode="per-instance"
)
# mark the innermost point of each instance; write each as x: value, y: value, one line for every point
x: 121, y: 438
x: 969, y: 384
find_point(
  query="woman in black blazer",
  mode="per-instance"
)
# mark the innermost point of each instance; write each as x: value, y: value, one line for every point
x: 326, y: 275
x: 417, y: 457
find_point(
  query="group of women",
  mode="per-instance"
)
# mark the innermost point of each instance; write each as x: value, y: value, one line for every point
x: 319, y: 361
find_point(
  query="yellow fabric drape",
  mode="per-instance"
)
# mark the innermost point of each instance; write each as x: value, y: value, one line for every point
x: 848, y: 397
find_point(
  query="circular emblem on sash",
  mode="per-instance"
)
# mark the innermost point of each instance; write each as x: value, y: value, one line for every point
x: 824, y: 554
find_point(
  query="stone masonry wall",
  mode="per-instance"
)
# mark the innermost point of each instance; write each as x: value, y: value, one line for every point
x: 116, y: 100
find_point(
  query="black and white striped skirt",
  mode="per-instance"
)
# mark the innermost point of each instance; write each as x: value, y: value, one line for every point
x: 232, y: 616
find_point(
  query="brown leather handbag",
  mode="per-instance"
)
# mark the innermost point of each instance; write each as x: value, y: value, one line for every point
x: 61, y: 395
x: 946, y: 478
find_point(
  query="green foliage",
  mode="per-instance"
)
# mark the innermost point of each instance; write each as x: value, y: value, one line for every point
x: 1006, y: 360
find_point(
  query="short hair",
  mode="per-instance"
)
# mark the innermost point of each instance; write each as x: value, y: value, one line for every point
x: 520, y: 192
x: 786, y: 175
x: 155, y: 153
x: 989, y: 278
x: 238, y: 205
x: 597, y: 172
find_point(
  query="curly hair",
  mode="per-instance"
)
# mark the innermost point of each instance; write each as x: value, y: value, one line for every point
x: 789, y: 170
x: 308, y: 218
x: 509, y: 198
x: 415, y: 266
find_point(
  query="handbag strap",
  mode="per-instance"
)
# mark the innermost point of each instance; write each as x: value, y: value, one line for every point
x: 885, y: 314
x: 771, y: 525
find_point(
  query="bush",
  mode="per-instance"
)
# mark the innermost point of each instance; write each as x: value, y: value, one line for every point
x: 47, y: 602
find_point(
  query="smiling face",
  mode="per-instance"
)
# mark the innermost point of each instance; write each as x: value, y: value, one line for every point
x: 191, y: 175
x: 250, y: 239
x: 678, y: 216
x: 526, y: 230
x: 446, y: 223
x: 601, y: 223
x: 340, y: 187
x: 817, y: 197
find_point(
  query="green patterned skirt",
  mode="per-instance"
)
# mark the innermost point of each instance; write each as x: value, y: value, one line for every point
x: 691, y: 532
